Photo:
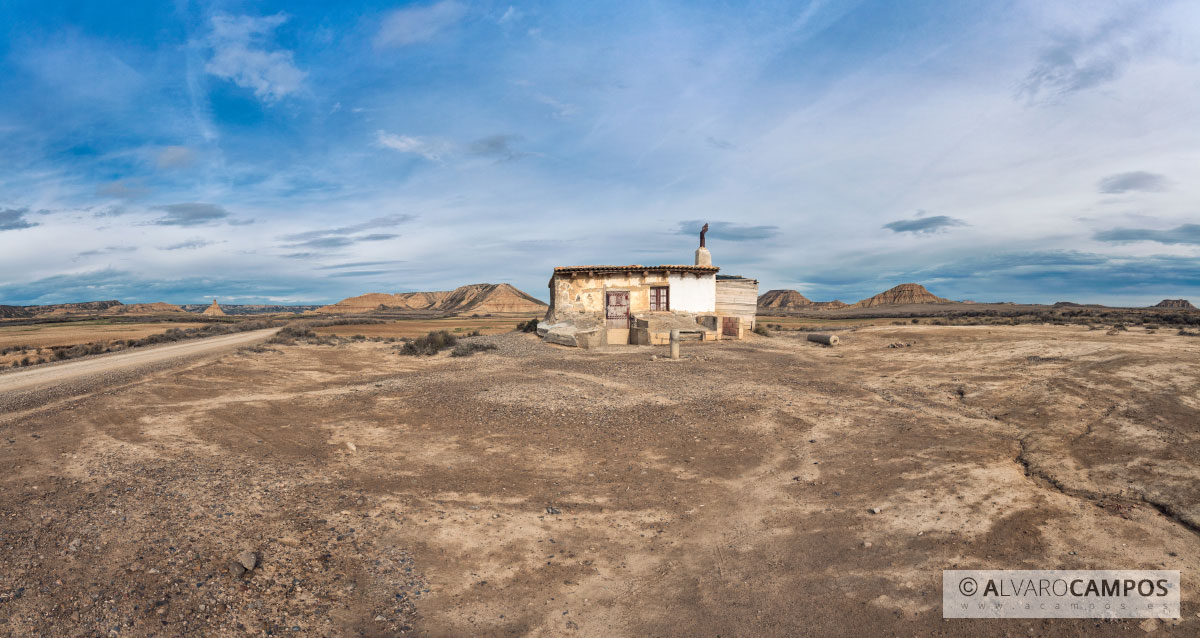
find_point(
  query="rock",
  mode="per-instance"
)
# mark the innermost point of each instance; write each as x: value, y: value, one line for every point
x: 352, y: 447
x: 247, y: 559
x: 550, y: 509
x: 875, y: 510
x: 866, y: 544
x: 73, y: 545
x: 236, y: 569
x: 1149, y: 625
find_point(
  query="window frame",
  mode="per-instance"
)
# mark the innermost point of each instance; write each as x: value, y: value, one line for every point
x: 660, y: 302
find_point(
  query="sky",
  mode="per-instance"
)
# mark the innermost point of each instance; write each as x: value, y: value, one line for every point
x: 303, y: 152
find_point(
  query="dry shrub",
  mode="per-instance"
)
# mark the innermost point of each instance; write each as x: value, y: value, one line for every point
x: 468, y: 349
x: 430, y: 344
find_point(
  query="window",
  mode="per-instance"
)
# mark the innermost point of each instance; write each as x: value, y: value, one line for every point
x: 660, y: 298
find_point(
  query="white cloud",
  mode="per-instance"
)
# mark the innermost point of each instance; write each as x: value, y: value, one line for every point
x: 241, y: 54
x: 407, y: 26
x: 511, y: 14
x: 433, y: 150
x: 174, y: 157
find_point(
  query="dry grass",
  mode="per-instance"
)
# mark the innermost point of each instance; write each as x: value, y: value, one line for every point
x: 69, y: 334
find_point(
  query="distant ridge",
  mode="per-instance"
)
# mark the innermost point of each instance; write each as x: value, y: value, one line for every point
x: 900, y: 295
x: 250, y: 309
x: 145, y: 308
x: 830, y: 305
x: 475, y: 298
x: 1180, y: 304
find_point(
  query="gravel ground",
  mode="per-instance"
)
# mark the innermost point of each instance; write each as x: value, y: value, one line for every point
x: 770, y: 487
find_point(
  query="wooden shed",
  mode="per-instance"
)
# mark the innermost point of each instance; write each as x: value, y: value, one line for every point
x: 737, y: 297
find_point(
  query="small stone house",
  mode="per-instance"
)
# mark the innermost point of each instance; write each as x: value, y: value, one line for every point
x: 601, y: 305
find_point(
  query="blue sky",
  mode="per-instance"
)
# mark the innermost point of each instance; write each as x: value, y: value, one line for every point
x: 305, y: 152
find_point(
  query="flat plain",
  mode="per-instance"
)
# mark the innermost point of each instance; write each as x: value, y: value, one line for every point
x: 39, y: 337
x: 769, y: 487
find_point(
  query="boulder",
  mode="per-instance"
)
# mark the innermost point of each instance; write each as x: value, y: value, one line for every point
x: 582, y: 331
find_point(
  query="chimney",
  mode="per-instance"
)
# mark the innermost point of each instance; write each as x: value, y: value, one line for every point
x: 703, y: 258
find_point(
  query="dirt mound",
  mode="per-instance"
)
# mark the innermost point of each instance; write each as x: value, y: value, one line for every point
x: 145, y: 308
x: 1180, y: 304
x: 783, y: 300
x: 473, y: 298
x: 900, y: 295
x: 214, y: 310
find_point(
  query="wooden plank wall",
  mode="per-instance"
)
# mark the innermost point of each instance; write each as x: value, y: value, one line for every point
x: 738, y: 298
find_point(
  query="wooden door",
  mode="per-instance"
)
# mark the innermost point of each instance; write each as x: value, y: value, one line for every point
x: 616, y: 309
x: 729, y: 326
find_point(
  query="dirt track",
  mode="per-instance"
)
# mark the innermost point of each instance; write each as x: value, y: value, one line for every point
x: 541, y: 491
x: 48, y: 375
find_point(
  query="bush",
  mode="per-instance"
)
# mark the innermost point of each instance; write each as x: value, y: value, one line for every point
x: 468, y: 349
x: 760, y: 329
x: 256, y: 348
x: 528, y: 326
x: 430, y: 344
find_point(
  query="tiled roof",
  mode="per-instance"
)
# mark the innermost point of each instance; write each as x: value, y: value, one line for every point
x: 636, y: 268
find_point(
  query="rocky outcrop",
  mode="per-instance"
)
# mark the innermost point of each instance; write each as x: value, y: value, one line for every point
x: 473, y: 298
x: 1177, y: 304
x: 214, y: 310
x: 783, y: 300
x: 901, y: 295
x: 774, y: 301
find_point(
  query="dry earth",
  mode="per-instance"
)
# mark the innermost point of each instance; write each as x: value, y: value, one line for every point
x: 420, y: 327
x: 541, y: 491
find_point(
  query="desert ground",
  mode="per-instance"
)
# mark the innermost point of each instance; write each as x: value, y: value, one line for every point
x: 417, y: 327
x: 768, y: 487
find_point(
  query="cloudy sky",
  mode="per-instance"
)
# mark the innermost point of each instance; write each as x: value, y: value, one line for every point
x: 304, y: 152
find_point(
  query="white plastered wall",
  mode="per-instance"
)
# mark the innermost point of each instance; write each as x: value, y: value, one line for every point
x: 691, y: 293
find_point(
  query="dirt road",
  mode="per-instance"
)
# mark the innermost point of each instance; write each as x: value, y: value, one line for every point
x: 771, y: 487
x: 49, y: 375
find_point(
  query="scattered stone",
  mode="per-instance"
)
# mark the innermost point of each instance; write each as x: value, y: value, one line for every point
x: 866, y: 544
x: 350, y: 446
x: 247, y: 559
x: 550, y: 509
x: 1149, y: 625
x: 875, y: 510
